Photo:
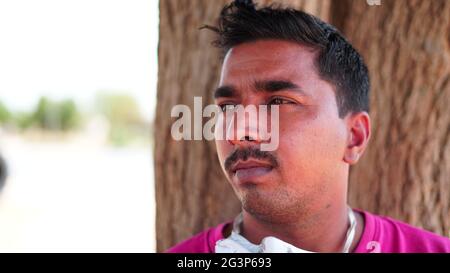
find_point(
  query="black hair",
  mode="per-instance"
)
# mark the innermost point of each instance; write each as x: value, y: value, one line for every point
x: 337, y: 61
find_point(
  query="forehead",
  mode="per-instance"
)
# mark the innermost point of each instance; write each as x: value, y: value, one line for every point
x: 269, y: 59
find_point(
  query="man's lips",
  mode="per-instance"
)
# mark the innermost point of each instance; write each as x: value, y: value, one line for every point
x: 249, y: 164
x: 250, y: 169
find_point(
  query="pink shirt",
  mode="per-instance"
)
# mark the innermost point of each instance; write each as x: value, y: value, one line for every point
x: 381, y: 234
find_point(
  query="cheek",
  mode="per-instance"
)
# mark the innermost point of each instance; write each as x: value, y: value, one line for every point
x: 223, y: 150
x: 310, y: 147
x: 223, y: 147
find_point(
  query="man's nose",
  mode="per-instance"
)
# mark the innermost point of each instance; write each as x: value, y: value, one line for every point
x: 244, y: 129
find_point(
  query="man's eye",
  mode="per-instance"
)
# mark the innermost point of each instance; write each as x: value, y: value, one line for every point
x: 227, y: 107
x: 279, y: 101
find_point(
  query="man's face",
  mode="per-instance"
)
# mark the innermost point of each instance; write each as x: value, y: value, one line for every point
x: 305, y: 173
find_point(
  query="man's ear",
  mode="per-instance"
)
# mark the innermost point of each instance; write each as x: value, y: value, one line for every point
x: 358, y: 125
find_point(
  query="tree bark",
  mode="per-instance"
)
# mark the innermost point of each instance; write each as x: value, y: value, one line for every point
x: 405, y: 171
x: 191, y: 192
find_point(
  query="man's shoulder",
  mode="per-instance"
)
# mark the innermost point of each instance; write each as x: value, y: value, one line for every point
x: 202, y: 242
x: 397, y: 236
x: 418, y: 236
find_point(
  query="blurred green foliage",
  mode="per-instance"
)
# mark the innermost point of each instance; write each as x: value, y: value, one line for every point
x: 126, y: 122
x: 23, y: 120
x: 48, y: 115
x: 56, y: 115
x: 121, y: 111
x: 5, y: 115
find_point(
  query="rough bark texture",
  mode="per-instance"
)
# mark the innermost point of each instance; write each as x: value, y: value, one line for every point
x: 191, y: 192
x: 405, y: 171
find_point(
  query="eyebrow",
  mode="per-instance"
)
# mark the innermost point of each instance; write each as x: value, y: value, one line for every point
x: 226, y: 91
x: 271, y: 86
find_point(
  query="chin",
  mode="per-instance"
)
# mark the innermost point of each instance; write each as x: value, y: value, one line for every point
x: 274, y: 207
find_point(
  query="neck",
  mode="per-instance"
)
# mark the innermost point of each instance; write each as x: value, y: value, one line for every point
x: 324, y: 231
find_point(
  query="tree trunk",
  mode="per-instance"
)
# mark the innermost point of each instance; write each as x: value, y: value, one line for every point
x: 404, y: 171
x: 191, y: 192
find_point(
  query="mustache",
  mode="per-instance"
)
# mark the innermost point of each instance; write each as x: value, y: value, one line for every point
x: 244, y: 154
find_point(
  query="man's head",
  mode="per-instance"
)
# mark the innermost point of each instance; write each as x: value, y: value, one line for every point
x: 285, y: 57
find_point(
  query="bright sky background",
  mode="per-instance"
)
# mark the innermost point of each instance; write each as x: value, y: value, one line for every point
x: 73, y: 48
x: 77, y: 194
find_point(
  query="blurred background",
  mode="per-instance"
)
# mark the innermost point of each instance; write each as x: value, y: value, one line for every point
x: 86, y: 90
x: 77, y: 101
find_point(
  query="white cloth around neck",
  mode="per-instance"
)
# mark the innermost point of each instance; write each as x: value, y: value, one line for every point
x: 236, y: 243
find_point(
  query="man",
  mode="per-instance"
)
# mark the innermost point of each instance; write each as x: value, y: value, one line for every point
x: 294, y: 199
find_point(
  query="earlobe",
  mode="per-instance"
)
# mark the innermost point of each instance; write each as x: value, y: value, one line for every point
x: 351, y: 156
x: 359, y: 134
